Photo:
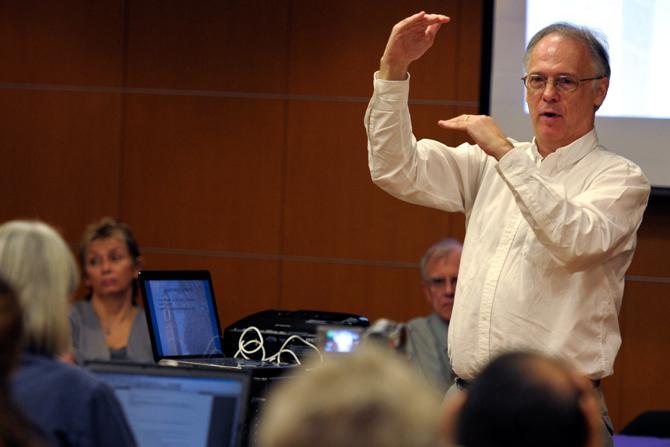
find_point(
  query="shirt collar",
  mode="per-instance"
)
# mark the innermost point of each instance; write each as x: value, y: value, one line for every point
x: 567, y: 155
x: 437, y: 320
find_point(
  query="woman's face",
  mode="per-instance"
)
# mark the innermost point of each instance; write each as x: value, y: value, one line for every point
x: 110, y: 269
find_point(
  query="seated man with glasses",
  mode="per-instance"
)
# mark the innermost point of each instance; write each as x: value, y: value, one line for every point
x: 550, y: 224
x: 426, y: 343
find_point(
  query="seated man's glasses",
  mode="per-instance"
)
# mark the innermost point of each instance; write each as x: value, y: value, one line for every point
x: 566, y: 84
x: 438, y: 282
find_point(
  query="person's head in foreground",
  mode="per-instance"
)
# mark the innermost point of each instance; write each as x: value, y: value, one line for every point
x: 37, y: 263
x: 11, y: 331
x: 370, y: 397
x: 524, y: 399
x: 15, y: 430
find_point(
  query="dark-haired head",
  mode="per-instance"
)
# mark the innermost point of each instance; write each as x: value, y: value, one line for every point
x: 15, y: 429
x: 11, y: 329
x: 523, y: 400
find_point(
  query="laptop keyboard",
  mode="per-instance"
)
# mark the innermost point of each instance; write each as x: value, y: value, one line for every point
x: 222, y: 362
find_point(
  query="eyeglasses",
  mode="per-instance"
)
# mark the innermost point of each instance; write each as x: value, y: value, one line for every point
x: 438, y: 282
x: 565, y: 84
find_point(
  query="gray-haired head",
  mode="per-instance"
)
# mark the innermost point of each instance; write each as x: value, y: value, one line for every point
x: 39, y: 266
x: 438, y: 250
x: 596, y: 44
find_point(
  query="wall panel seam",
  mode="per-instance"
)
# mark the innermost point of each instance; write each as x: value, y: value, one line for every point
x: 221, y: 94
x: 282, y: 258
x: 649, y: 279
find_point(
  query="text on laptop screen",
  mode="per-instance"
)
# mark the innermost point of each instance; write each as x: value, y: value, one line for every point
x: 183, y: 318
x: 180, y: 410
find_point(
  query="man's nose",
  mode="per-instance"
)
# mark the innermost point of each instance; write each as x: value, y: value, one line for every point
x: 550, y: 92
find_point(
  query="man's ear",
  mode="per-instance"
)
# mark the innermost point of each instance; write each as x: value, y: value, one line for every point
x: 451, y: 409
x: 426, y: 292
x: 591, y: 410
x: 601, y: 92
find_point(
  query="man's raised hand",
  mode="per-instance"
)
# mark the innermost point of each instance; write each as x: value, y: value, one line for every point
x: 409, y: 40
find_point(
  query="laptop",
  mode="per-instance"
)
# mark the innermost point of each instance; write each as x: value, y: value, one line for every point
x: 183, y: 319
x: 172, y: 406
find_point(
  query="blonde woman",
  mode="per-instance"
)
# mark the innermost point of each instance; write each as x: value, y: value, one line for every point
x: 108, y: 324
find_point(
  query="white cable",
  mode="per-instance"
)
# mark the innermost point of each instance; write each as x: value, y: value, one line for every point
x: 245, y: 351
x: 279, y: 352
x: 242, y: 346
x: 259, y: 346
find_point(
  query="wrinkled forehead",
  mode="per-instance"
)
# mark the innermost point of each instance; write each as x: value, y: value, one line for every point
x: 558, y: 52
x: 447, y: 261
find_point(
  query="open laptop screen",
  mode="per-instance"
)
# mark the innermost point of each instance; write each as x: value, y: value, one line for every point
x: 183, y: 317
x: 168, y: 406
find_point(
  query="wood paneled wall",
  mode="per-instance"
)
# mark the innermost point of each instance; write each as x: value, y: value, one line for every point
x: 229, y: 135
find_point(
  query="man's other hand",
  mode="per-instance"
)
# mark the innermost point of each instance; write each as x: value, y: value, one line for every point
x: 483, y: 130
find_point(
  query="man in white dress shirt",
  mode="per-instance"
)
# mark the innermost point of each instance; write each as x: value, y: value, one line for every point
x: 550, y: 224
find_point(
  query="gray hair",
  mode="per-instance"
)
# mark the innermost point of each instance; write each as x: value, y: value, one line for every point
x: 371, y: 397
x: 37, y: 263
x: 438, y: 250
x: 596, y: 44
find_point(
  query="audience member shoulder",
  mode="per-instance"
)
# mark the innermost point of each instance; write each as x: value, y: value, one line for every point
x: 65, y: 375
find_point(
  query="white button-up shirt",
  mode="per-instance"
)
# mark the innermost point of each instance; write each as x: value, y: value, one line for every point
x: 547, y: 242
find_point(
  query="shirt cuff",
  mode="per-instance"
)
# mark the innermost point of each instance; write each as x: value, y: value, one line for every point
x: 391, y: 95
x: 515, y: 166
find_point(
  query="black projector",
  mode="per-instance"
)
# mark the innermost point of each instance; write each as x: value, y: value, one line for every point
x: 277, y: 326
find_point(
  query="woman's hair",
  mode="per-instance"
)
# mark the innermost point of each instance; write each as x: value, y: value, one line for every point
x: 370, y: 397
x: 105, y: 228
x: 38, y: 265
x: 11, y: 330
x: 14, y: 427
